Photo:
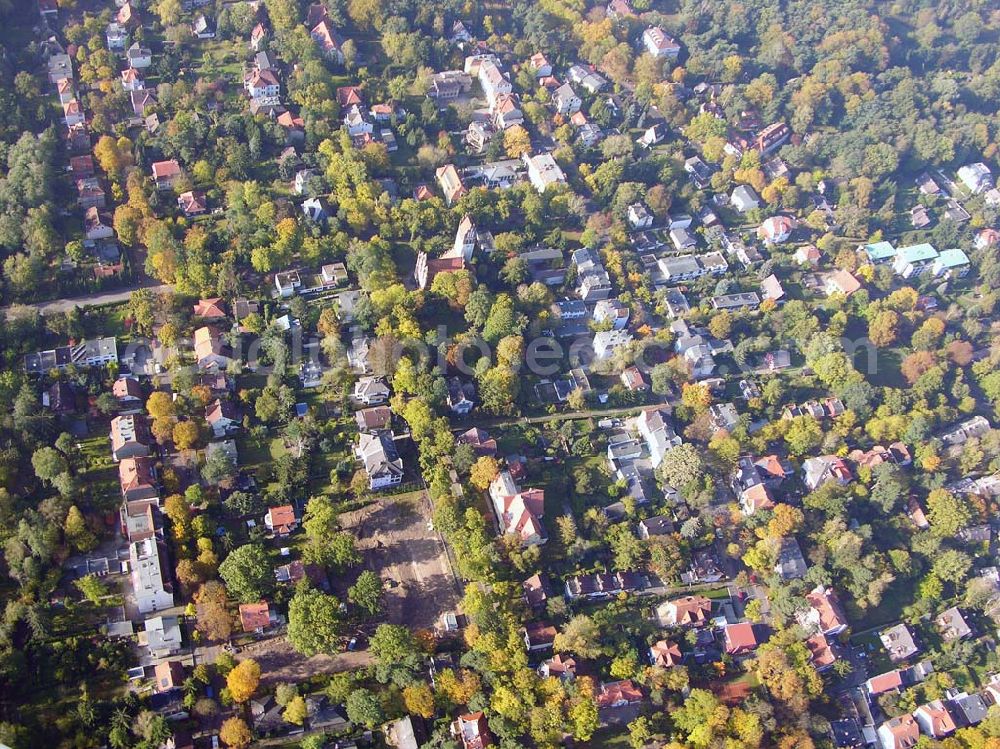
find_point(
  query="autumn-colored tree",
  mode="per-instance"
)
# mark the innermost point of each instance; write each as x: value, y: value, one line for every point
x: 160, y: 405
x: 186, y: 434
x: 785, y: 520
x: 296, y: 711
x: 243, y: 680
x: 177, y: 509
x: 696, y: 396
x: 516, y: 141
x: 214, y: 619
x: 883, y: 328
x: 721, y: 325
x: 235, y: 733
x: 458, y: 687
x: 916, y: 364
x: 419, y: 700
x: 484, y: 470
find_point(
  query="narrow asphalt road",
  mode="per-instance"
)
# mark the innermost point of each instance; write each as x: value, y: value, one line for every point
x: 57, y: 306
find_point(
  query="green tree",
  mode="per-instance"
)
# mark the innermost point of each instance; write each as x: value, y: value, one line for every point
x: 581, y: 636
x: 314, y: 622
x: 397, y: 654
x: 325, y: 544
x: 367, y: 592
x: 363, y: 708
x: 248, y: 573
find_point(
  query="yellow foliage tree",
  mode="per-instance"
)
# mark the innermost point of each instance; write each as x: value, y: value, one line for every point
x: 243, y: 680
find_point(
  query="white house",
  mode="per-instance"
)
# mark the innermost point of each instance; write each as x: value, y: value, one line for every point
x: 138, y: 56
x: 543, y: 171
x: 116, y: 35
x: 356, y: 123
x: 976, y: 177
x: 150, y: 586
x: 639, y: 216
x: 381, y: 461
x: 493, y: 81
x: 744, y: 199
x: 606, y: 341
x: 565, y: 100
x: 659, y: 44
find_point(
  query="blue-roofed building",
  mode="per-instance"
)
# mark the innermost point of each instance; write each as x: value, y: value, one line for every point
x: 914, y: 260
x: 879, y: 252
x: 952, y: 263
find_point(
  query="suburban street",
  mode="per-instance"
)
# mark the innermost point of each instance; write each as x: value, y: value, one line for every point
x: 58, y: 306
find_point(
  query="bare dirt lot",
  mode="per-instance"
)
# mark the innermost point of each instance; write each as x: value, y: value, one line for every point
x: 394, y: 535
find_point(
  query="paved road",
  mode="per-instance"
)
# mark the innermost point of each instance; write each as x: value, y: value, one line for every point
x: 57, y: 306
x: 608, y: 413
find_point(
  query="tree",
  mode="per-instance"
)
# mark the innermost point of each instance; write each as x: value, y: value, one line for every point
x: 247, y: 573
x: 419, y: 700
x: 397, y: 654
x: 314, y: 622
x: 639, y: 732
x: 498, y: 390
x: 367, y: 592
x: 484, y: 470
x: 363, y: 708
x: 884, y: 328
x: 948, y: 513
x: 681, y: 466
x: 296, y: 711
x: 721, y: 325
x: 243, y: 680
x: 214, y: 619
x: 235, y: 733
x: 581, y: 636
x: 697, y: 397
x: 48, y: 463
x: 516, y: 142
x: 92, y: 588
x: 186, y: 435
x: 77, y: 533
x: 325, y: 544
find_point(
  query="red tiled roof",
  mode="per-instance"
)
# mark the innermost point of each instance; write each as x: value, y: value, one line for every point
x: 254, y: 616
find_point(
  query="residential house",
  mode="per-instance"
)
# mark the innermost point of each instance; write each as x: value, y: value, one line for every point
x: 771, y: 137
x: 481, y: 442
x: 97, y: 352
x: 818, y: 471
x: 138, y: 57
x: 612, y: 311
x: 132, y: 80
x: 976, y: 177
x: 139, y: 520
x: 776, y: 229
x: 961, y: 433
x: 373, y: 419
x: 150, y: 574
x: 739, y: 639
x: 934, y: 719
x: 558, y: 666
x: 882, y: 683
x: 898, y: 641
x: 536, y: 592
x: 223, y: 417
x: 137, y: 479
x: 258, y: 35
x: 824, y: 614
x: 493, y: 81
x: 691, y: 610
x: 356, y: 123
x: 166, y: 174
x: 664, y: 654
x: 541, y: 65
x: 659, y: 525
x: 329, y: 41
x: 262, y: 83
x: 210, y: 350
x: 371, y: 391
x: 192, y: 203
x: 791, y: 565
x: 66, y: 90
x: 255, y: 617
x: 472, y: 730
x: 772, y: 289
x: 162, y: 636
x: 381, y: 460
x: 460, y: 396
x: 822, y: 653
x: 128, y: 393
x: 952, y: 625
x: 543, y: 171
x: 565, y: 100
x: 167, y: 676
x: 539, y: 636
x: 808, y: 254
x: 130, y: 437
x: 518, y: 512
x: 203, y: 28
x: 90, y: 193
x: 618, y: 694
x: 659, y: 44
x: 97, y: 225
x: 116, y: 35
x: 841, y: 281
x: 451, y: 184
x: 639, y: 216
x: 744, y: 199
x: 901, y: 732
x: 606, y: 342
x: 633, y: 380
